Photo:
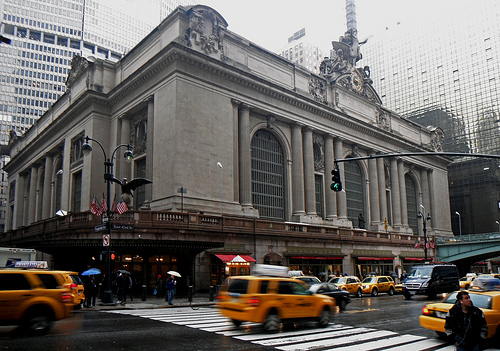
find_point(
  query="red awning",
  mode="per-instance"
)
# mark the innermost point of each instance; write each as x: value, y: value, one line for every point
x: 418, y: 259
x: 375, y: 258
x: 229, y: 258
x: 318, y: 257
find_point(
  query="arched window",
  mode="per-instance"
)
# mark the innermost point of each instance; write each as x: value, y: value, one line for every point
x: 268, y: 176
x: 411, y: 203
x: 354, y: 192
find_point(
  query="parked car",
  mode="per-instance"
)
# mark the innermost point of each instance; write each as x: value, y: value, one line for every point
x: 485, y: 281
x: 352, y: 284
x: 431, y: 280
x: 271, y: 300
x: 341, y: 297
x: 433, y: 315
x: 378, y: 284
x: 33, y: 299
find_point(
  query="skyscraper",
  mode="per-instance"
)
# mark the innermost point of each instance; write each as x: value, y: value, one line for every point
x: 46, y: 34
x: 302, y: 52
x: 445, y: 72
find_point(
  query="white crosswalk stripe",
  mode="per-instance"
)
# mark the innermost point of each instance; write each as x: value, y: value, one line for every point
x: 335, y: 337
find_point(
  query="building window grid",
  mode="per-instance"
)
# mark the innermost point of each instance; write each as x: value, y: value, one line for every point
x: 319, y: 186
x: 268, y: 176
x: 354, y: 191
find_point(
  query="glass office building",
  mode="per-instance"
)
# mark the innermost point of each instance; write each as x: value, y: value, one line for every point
x: 45, y: 35
x: 444, y: 71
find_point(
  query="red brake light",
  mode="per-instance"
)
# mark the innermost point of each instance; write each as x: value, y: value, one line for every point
x: 426, y: 311
x: 73, y: 286
x: 253, y: 301
x: 66, y: 298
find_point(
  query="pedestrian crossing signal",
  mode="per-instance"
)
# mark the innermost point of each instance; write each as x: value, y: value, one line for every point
x: 336, y: 182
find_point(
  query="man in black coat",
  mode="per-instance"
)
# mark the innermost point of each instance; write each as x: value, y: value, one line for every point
x: 466, y: 324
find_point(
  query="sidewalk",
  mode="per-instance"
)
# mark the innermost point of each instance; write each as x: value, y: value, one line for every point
x: 199, y: 299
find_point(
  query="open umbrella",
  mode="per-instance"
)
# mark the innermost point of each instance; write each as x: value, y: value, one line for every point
x: 123, y: 271
x: 174, y: 273
x: 92, y: 271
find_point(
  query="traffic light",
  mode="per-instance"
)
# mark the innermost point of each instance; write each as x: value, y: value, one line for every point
x: 336, y: 182
x: 112, y: 255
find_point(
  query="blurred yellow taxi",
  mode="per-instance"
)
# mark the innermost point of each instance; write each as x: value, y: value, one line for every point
x: 378, y: 284
x: 271, y: 299
x: 433, y: 315
x: 74, y: 282
x: 465, y: 282
x: 349, y: 283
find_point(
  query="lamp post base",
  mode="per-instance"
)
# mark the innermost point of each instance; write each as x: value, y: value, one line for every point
x: 107, y: 298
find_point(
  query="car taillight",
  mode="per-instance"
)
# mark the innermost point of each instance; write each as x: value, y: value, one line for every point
x: 253, y: 301
x: 66, y: 298
x: 426, y: 311
x: 73, y: 286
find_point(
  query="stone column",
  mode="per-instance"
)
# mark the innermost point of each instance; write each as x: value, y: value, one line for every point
x: 236, y: 190
x: 330, y: 198
x: 150, y: 147
x: 402, y: 192
x: 19, y: 202
x: 47, y: 187
x: 382, y: 197
x: 32, y: 195
x: 123, y: 167
x: 310, y: 193
x: 374, y: 193
x: 297, y: 171
x: 341, y: 195
x: 426, y: 201
x: 245, y: 169
x: 395, y: 196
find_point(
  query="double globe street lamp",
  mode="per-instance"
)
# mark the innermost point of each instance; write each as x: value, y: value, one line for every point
x: 424, y: 223
x: 107, y: 298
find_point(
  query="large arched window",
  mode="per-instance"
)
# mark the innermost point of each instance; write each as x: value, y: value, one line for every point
x: 354, y: 192
x: 411, y: 203
x: 268, y: 176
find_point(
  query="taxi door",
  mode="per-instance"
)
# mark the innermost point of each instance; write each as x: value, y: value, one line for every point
x: 15, y: 290
x: 294, y: 300
x: 383, y: 284
x: 352, y: 285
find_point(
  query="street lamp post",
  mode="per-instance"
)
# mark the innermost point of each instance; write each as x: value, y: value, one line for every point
x: 497, y: 222
x: 221, y: 179
x: 421, y: 214
x: 107, y: 298
x: 459, y: 224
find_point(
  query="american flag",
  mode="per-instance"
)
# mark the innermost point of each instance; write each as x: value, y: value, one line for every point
x: 122, y: 207
x: 94, y: 207
x: 103, y: 208
x: 417, y: 244
x: 113, y: 205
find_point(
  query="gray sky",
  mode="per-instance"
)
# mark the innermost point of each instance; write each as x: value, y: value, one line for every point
x: 269, y: 23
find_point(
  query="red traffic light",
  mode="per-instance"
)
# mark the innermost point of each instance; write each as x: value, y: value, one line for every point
x: 113, y: 256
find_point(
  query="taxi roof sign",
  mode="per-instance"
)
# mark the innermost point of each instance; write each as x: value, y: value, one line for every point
x: 269, y: 270
x: 31, y: 264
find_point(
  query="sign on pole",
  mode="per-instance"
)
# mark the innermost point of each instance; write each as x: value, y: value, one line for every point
x: 105, y: 240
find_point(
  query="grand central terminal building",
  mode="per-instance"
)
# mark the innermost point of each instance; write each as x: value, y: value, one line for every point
x: 239, y: 144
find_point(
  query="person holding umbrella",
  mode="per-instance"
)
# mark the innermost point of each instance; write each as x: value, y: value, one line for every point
x: 170, y: 286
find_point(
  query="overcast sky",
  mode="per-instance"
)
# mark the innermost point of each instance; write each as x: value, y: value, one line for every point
x: 269, y: 23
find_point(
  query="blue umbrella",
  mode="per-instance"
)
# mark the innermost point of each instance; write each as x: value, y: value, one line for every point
x: 92, y: 271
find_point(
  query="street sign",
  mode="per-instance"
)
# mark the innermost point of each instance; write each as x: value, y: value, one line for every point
x: 126, y: 227
x: 104, y: 219
x: 100, y: 228
x: 105, y: 240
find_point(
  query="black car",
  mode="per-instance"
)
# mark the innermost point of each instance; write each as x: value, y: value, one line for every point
x: 341, y: 297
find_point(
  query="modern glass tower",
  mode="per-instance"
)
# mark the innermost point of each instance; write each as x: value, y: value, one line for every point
x: 45, y: 35
x: 444, y: 71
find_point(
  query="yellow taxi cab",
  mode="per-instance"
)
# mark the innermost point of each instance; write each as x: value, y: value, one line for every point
x: 465, y: 282
x: 74, y: 282
x: 351, y: 284
x: 270, y: 297
x: 33, y: 299
x: 433, y: 315
x: 378, y: 284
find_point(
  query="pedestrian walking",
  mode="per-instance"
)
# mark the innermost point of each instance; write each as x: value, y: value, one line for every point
x: 466, y: 324
x: 127, y: 285
x: 159, y: 287
x: 120, y: 282
x: 170, y: 287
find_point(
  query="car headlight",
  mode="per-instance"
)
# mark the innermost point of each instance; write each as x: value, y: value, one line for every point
x: 425, y: 285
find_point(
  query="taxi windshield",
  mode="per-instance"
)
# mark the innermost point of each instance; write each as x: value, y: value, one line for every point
x: 478, y: 300
x: 338, y: 281
x: 420, y: 272
x: 370, y: 280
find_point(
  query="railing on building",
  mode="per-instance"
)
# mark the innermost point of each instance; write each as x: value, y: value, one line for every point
x: 162, y: 220
x: 483, y: 237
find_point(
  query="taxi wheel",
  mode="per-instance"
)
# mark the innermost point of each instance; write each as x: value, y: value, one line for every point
x: 324, y: 318
x: 375, y: 292
x: 236, y: 322
x: 37, y: 321
x: 359, y: 293
x: 391, y: 291
x: 342, y: 305
x: 467, y: 287
x: 272, y: 323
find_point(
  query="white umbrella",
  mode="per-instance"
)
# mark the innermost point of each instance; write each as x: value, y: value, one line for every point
x: 174, y: 273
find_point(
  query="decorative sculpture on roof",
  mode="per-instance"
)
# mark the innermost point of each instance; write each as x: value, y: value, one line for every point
x: 78, y: 65
x: 437, y: 138
x: 340, y: 67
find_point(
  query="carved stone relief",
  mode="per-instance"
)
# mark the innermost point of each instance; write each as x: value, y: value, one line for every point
x: 319, y: 153
x: 76, y: 156
x: 317, y: 88
x: 138, y: 132
x: 205, y: 31
x: 383, y: 120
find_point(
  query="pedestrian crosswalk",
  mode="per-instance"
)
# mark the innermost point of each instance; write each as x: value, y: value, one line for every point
x: 335, y: 337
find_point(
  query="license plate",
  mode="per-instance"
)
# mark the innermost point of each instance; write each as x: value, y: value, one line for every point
x: 412, y: 292
x: 440, y: 314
